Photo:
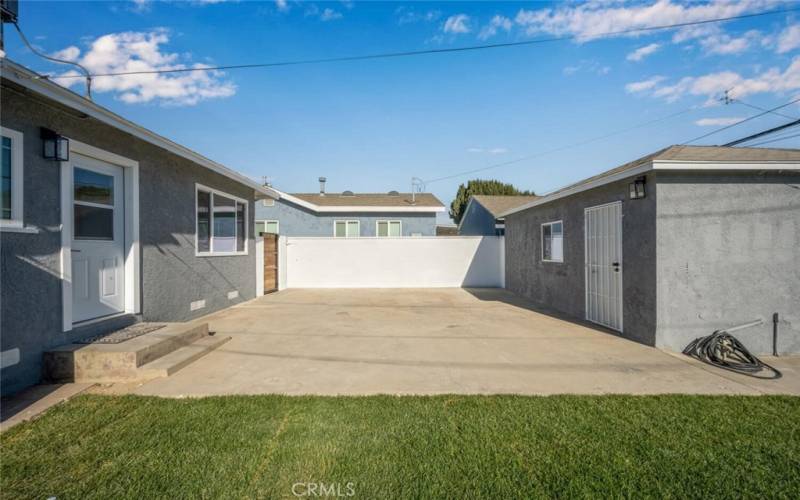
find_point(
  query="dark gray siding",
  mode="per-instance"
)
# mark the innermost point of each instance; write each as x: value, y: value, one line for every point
x: 561, y: 286
x: 299, y: 221
x: 171, y: 275
x: 729, y: 252
x: 477, y: 221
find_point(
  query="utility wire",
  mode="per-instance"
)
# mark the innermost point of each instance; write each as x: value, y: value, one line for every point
x: 764, y: 132
x: 86, y: 73
x: 561, y: 148
x: 776, y: 140
x: 759, y: 108
x: 386, y: 55
x: 765, y: 112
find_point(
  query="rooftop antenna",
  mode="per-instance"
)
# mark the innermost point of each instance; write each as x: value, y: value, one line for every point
x: 266, y: 181
x: 417, y: 186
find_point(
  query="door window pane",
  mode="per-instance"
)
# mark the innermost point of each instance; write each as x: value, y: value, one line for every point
x: 272, y: 227
x: 240, y: 230
x: 261, y: 227
x: 352, y: 228
x: 94, y: 187
x: 341, y: 229
x: 224, y: 224
x: 94, y: 223
x: 394, y: 228
x: 5, y: 192
x: 203, y: 221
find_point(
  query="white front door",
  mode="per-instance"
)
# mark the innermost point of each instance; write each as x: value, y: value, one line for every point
x: 98, y: 239
x: 603, y: 239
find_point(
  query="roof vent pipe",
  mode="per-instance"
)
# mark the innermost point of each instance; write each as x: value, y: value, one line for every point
x: 322, y: 186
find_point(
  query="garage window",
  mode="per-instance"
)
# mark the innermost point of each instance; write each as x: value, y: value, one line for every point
x: 346, y: 229
x: 267, y: 226
x: 221, y: 223
x: 389, y: 228
x: 553, y: 241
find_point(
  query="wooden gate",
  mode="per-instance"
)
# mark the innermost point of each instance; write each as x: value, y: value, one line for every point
x: 270, y: 262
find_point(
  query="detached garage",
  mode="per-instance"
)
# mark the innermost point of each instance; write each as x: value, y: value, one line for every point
x: 670, y: 247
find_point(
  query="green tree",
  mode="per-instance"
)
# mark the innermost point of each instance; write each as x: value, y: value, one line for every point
x: 480, y: 186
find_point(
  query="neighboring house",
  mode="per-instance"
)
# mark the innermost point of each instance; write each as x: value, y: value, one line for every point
x: 349, y: 215
x: 670, y: 247
x: 130, y: 224
x: 446, y: 230
x: 482, y: 214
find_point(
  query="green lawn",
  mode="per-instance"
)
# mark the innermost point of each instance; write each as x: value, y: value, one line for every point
x: 410, y: 447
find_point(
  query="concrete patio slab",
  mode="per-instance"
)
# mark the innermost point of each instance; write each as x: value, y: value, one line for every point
x: 433, y: 341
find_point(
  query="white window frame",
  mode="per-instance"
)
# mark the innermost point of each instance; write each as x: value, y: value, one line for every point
x: 267, y: 221
x: 541, y: 238
x: 200, y: 187
x: 346, y: 223
x: 388, y: 222
x: 17, y: 180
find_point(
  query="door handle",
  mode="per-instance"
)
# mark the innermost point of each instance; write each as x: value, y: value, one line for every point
x: 616, y: 266
x: 74, y: 251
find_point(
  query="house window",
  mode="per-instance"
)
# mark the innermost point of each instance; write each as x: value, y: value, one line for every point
x: 553, y: 242
x: 389, y: 228
x: 11, y: 174
x: 346, y: 229
x: 267, y: 226
x: 221, y: 223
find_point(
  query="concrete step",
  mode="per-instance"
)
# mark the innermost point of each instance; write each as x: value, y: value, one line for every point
x: 118, y: 362
x: 174, y: 361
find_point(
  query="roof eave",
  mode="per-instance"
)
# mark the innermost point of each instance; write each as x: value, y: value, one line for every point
x: 34, y: 82
x: 351, y: 209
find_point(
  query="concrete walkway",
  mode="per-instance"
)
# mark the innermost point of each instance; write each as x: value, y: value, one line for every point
x: 434, y: 341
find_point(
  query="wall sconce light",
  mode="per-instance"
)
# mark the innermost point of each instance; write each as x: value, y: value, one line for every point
x: 636, y: 188
x: 54, y: 146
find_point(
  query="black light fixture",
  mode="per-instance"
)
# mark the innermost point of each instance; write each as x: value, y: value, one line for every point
x: 636, y: 188
x: 54, y: 146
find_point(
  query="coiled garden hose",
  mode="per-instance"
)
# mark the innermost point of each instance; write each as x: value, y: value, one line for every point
x: 723, y: 350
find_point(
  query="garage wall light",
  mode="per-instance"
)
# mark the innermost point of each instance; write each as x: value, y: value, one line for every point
x: 636, y: 188
x: 54, y: 146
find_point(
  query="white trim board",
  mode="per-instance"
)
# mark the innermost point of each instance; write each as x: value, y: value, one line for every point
x: 17, y: 220
x: 355, y: 209
x: 131, y: 246
x: 32, y: 81
x: 693, y: 166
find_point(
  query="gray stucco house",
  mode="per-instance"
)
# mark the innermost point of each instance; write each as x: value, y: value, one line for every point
x: 482, y: 215
x: 105, y: 221
x: 349, y: 215
x: 669, y: 247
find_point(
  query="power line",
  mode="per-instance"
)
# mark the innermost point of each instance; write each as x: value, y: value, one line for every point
x: 770, y: 141
x: 764, y: 132
x: 759, y: 108
x: 386, y: 55
x: 742, y: 121
x: 561, y: 148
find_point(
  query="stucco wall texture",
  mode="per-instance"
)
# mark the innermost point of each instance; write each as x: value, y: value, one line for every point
x: 561, y: 286
x: 299, y: 221
x: 171, y: 275
x: 702, y: 252
x: 729, y: 253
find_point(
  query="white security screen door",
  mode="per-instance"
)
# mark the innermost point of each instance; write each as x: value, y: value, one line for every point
x: 98, y: 239
x: 603, y: 239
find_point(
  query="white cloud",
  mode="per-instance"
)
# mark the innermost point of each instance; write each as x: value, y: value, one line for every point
x: 717, y: 122
x: 498, y: 22
x: 329, y: 14
x: 789, y: 39
x: 587, y: 21
x: 490, y: 151
x: 711, y: 85
x: 70, y: 53
x: 282, y: 5
x: 588, y: 66
x: 141, y: 51
x: 406, y: 15
x: 724, y: 44
x: 457, y: 24
x: 642, y: 52
x: 141, y: 6
x: 643, y: 85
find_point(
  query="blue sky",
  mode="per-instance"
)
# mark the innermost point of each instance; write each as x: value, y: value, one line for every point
x: 372, y: 125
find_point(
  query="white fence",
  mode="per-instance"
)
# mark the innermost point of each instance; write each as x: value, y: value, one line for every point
x: 427, y: 262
